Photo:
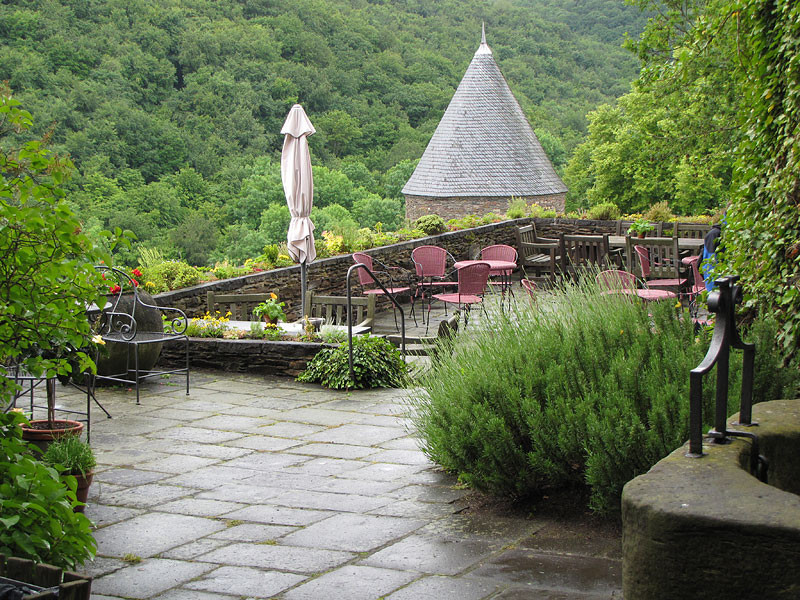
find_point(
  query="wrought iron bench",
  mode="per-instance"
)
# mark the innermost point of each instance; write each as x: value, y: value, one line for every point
x: 134, y: 332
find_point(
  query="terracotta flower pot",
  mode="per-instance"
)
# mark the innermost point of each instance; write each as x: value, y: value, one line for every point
x: 39, y: 433
x: 82, y: 491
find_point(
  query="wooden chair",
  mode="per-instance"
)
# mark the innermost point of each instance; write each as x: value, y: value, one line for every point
x: 240, y: 305
x: 580, y: 252
x: 658, y: 262
x: 691, y: 230
x: 540, y: 255
x: 334, y: 309
x: 622, y: 228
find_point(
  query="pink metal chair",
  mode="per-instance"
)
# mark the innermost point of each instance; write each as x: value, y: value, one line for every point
x: 370, y: 287
x: 500, y: 252
x: 698, y: 283
x: 658, y: 260
x: 622, y: 282
x: 614, y: 281
x: 472, y: 281
x: 430, y: 263
x: 529, y: 287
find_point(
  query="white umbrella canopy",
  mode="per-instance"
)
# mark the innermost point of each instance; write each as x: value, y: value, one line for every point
x: 298, y: 186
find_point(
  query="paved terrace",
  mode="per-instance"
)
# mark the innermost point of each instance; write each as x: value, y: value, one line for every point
x: 253, y: 487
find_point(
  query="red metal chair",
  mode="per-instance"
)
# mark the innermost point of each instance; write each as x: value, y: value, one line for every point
x: 370, y: 287
x: 472, y: 281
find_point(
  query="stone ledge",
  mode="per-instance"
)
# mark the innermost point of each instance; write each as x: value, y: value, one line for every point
x: 706, y: 527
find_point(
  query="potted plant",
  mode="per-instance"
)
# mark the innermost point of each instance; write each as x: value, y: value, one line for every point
x: 270, y: 310
x: 640, y: 227
x: 71, y: 456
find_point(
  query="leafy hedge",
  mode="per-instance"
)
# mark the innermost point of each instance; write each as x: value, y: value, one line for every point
x: 376, y: 363
x: 582, y: 390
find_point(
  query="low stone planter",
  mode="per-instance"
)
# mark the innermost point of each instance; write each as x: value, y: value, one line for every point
x: 695, y: 526
x: 246, y: 356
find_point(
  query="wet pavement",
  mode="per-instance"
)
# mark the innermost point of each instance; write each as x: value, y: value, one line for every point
x: 258, y: 487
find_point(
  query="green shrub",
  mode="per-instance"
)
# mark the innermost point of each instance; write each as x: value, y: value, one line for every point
x: 517, y: 209
x: 270, y: 253
x: 660, y: 211
x: 225, y: 270
x: 170, y: 275
x: 376, y: 363
x: 431, y: 224
x: 582, y: 390
x: 605, y: 211
x: 36, y: 508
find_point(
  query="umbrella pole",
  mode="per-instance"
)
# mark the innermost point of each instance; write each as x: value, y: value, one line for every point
x: 303, y: 276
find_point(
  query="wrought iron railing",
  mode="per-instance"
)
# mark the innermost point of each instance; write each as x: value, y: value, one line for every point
x: 722, y: 302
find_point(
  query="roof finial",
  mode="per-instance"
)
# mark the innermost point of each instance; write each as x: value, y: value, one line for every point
x: 484, y: 47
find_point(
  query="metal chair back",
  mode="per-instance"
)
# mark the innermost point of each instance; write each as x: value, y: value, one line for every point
x: 429, y: 261
x: 472, y: 279
x: 616, y: 280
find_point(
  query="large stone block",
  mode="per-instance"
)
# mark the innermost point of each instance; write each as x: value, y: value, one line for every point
x: 706, y: 527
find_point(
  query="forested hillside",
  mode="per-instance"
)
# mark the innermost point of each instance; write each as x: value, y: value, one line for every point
x: 171, y: 110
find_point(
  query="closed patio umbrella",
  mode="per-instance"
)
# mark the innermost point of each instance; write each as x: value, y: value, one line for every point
x: 298, y: 186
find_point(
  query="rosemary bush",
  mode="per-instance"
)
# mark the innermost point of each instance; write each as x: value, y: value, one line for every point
x: 580, y: 390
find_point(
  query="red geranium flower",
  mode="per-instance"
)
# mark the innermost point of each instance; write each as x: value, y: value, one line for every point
x: 135, y: 283
x: 136, y: 273
x: 114, y: 289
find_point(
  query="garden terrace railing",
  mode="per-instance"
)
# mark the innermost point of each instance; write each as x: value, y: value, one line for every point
x: 723, y: 302
x: 350, y: 272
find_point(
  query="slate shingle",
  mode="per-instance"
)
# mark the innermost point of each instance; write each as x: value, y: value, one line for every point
x: 484, y: 145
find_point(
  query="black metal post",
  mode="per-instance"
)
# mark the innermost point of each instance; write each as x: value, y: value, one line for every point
x: 350, y: 324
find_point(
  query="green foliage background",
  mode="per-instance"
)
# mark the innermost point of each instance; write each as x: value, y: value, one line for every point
x: 172, y: 111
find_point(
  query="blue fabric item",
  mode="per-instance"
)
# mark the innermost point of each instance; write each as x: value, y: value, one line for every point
x: 710, y: 244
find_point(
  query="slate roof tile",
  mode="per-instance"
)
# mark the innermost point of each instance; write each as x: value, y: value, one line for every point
x: 484, y: 145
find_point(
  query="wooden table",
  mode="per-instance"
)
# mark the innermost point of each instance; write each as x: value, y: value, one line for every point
x: 691, y: 244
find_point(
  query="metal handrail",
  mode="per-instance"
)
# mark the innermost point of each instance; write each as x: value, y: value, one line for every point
x: 350, y: 320
x: 722, y: 302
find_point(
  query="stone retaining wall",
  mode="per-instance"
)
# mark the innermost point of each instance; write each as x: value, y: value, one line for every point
x: 327, y: 276
x: 243, y: 356
x: 694, y: 527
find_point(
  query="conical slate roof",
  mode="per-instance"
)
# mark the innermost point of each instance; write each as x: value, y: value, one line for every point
x: 484, y: 145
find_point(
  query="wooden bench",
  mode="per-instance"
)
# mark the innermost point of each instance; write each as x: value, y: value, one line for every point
x: 240, y: 305
x: 334, y: 309
x: 541, y: 255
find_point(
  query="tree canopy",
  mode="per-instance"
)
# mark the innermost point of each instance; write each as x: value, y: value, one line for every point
x: 168, y: 109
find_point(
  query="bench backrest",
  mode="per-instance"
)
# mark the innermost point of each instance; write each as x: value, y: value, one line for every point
x: 240, y: 305
x: 334, y: 309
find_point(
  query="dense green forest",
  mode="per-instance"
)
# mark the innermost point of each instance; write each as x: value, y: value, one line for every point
x: 171, y: 110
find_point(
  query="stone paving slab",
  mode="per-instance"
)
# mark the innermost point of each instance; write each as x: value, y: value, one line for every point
x: 245, y: 581
x: 259, y: 487
x: 351, y: 583
x: 281, y: 558
x: 149, y: 578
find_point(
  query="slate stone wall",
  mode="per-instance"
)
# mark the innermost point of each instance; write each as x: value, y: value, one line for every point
x: 327, y: 276
x: 461, y: 206
x: 243, y: 356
